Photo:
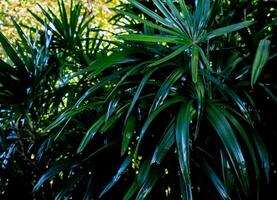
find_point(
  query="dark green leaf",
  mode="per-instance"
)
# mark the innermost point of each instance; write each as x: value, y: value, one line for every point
x: 148, y: 185
x: 165, y: 144
x: 10, y: 51
x: 153, y: 115
x: 166, y: 87
x: 116, y: 178
x: 91, y: 132
x: 230, y: 143
x: 169, y: 57
x: 153, y: 38
x: 194, y: 63
x: 182, y: 135
x: 214, y: 179
x: 229, y: 29
x: 55, y: 170
x: 261, y: 58
x: 129, y: 129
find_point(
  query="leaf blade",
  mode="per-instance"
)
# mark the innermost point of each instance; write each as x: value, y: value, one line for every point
x: 182, y: 135
x: 229, y: 29
x: 260, y: 60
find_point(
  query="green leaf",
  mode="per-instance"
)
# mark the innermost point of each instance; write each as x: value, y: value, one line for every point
x: 246, y: 140
x: 113, y: 104
x: 90, y: 133
x: 112, y: 120
x: 10, y: 51
x: 169, y: 57
x: 194, y: 63
x: 199, y: 95
x: 23, y: 37
x: 55, y: 170
x: 230, y: 143
x: 132, y: 190
x: 153, y: 115
x: 69, y: 114
x: 165, y: 144
x: 269, y: 92
x: 39, y: 19
x: 261, y: 58
x: 129, y: 129
x: 152, y: 14
x: 89, y: 190
x: 183, y: 22
x: 227, y: 173
x: 185, y: 11
x: 171, y: 17
x: 68, y: 187
x: 102, y: 63
x: 228, y: 29
x: 225, y: 90
x: 94, y: 88
x: 214, y: 178
x: 201, y: 14
x: 64, y: 18
x: 214, y: 11
x: 5, y: 66
x: 148, y: 23
x: 118, y: 175
x: 141, y: 177
x: 148, y: 185
x: 205, y: 59
x: 182, y: 141
x: 153, y: 38
x: 263, y: 154
x: 140, y: 88
x: 133, y: 70
x: 165, y: 88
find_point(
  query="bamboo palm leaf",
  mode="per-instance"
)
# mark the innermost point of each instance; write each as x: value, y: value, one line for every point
x: 153, y: 115
x: 152, y: 14
x: 148, y: 23
x: 10, y: 51
x: 91, y: 133
x: 214, y: 179
x: 229, y: 29
x: 165, y: 88
x: 148, y: 185
x: 261, y: 58
x: 154, y: 38
x: 164, y: 144
x: 194, y: 63
x: 118, y: 175
x: 182, y: 134
x: 129, y: 129
x: 170, y: 56
x: 230, y: 143
x: 141, y: 177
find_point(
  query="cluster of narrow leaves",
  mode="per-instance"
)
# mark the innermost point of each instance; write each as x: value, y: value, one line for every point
x: 168, y: 98
x: 34, y: 87
x: 167, y: 73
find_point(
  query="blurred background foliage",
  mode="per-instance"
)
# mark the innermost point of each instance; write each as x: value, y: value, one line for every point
x: 18, y: 10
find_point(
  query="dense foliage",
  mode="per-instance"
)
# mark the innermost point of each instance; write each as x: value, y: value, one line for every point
x: 180, y: 106
x: 18, y: 10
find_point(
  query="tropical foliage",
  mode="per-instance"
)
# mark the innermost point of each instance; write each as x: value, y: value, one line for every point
x: 18, y: 10
x: 172, y: 109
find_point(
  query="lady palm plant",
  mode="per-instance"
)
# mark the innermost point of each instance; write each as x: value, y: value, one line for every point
x: 27, y: 89
x: 168, y: 113
x: 176, y: 96
x: 73, y: 38
x: 34, y: 87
